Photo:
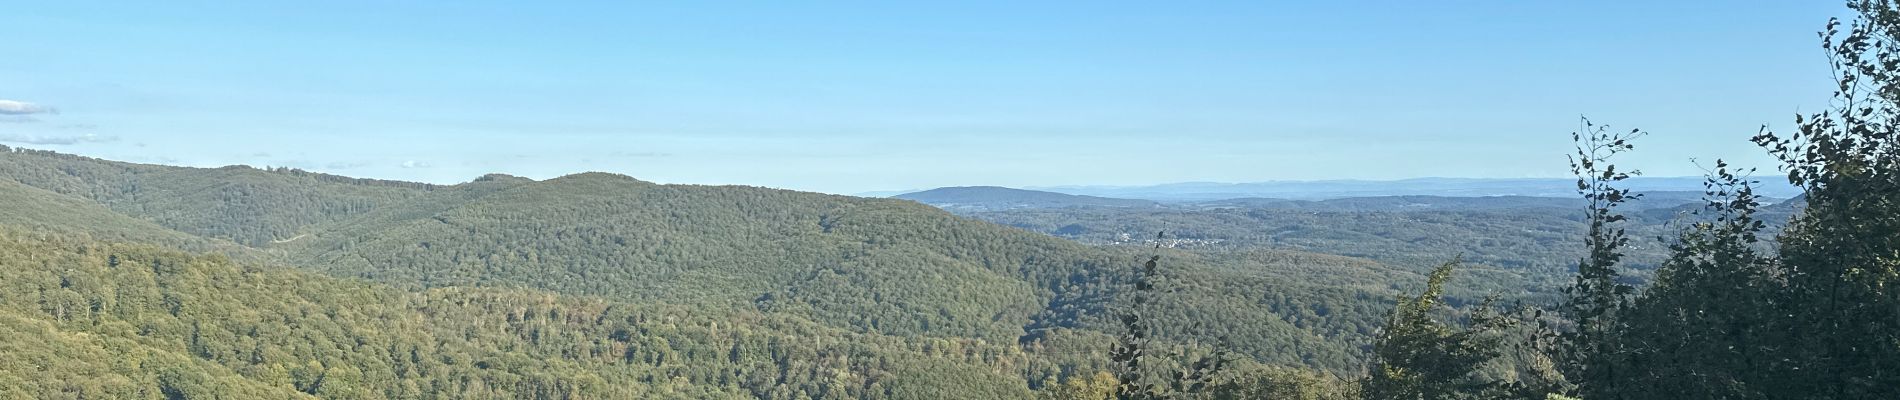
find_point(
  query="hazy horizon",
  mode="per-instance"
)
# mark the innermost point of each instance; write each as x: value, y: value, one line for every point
x: 1770, y: 185
x: 853, y: 98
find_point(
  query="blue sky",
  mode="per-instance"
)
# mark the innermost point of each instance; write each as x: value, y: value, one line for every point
x: 847, y: 97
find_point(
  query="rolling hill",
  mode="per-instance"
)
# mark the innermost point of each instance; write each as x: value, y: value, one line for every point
x: 239, y: 203
x: 85, y: 319
x: 893, y: 282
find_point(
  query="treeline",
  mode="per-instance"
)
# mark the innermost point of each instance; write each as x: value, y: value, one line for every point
x: 242, y: 204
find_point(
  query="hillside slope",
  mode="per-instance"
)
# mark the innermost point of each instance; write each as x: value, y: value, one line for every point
x: 144, y: 322
x: 869, y: 266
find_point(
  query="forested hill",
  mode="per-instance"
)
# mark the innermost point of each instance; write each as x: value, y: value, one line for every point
x: 889, y: 266
x: 243, y: 204
x: 84, y: 319
x: 869, y: 265
x: 994, y: 198
x: 882, y: 274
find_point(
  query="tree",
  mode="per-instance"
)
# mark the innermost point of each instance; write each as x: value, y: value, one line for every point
x: 1100, y: 386
x: 1134, y: 341
x: 1588, y: 348
x: 1696, y: 332
x: 1419, y: 357
x: 1816, y: 318
x: 1842, y: 254
x: 1136, y: 344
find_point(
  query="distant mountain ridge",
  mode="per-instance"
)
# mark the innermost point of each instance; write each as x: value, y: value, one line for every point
x: 1331, y: 189
x: 971, y: 199
x: 1648, y: 201
x: 996, y: 198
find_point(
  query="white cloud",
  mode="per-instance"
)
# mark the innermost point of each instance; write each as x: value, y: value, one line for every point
x: 415, y: 164
x: 57, y: 140
x: 16, y: 107
x: 638, y: 154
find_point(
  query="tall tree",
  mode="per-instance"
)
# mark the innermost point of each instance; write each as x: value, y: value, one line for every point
x: 1588, y: 348
x: 1136, y: 345
x: 1134, y: 342
x: 1819, y: 317
x: 1697, y: 331
x: 1843, y: 253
